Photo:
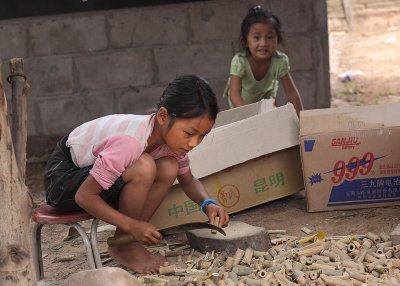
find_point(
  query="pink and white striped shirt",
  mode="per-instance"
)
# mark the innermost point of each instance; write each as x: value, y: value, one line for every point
x: 113, y: 143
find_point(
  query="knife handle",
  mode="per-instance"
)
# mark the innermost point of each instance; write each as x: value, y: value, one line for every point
x: 120, y: 239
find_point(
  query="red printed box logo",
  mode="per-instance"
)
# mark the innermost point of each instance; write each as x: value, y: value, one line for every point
x: 346, y: 142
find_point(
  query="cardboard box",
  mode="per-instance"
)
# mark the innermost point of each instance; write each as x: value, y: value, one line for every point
x: 351, y: 157
x: 250, y: 157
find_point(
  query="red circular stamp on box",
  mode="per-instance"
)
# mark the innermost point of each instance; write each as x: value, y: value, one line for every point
x: 228, y: 196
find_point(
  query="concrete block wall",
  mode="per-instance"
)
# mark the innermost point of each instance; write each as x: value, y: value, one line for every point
x: 85, y: 65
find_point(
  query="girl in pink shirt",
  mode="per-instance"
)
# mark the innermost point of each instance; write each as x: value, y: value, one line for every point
x: 132, y: 161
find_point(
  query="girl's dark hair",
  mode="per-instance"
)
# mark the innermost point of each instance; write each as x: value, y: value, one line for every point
x: 259, y: 15
x: 189, y: 96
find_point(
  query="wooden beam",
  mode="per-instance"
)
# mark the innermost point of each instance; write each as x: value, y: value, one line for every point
x: 348, y: 12
x: 16, y: 264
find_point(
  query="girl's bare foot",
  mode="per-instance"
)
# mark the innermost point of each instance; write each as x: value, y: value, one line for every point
x: 136, y: 257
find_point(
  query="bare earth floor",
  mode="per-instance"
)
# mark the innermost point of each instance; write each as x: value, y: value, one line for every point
x: 288, y: 213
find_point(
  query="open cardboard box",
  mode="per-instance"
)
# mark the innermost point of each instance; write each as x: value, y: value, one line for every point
x: 351, y: 157
x: 250, y: 157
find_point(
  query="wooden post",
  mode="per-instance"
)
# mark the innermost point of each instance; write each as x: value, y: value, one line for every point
x: 20, y: 88
x: 16, y: 264
x: 348, y: 12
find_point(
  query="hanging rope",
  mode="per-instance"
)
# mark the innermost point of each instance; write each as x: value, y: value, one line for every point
x: 15, y: 74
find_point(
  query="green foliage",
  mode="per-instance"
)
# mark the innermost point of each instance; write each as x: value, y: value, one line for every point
x: 385, y: 93
x: 352, y: 88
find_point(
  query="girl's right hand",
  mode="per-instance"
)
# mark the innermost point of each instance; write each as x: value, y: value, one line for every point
x: 145, y: 233
x: 213, y: 210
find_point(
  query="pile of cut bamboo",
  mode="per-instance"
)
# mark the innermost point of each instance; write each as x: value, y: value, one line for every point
x: 368, y: 259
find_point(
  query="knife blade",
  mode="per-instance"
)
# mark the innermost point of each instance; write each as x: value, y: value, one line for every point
x: 127, y: 238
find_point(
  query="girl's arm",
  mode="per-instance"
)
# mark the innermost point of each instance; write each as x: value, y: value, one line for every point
x: 194, y: 189
x: 235, y: 91
x: 87, y: 197
x: 292, y: 93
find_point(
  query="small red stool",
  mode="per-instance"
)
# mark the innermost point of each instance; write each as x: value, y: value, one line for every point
x: 46, y: 214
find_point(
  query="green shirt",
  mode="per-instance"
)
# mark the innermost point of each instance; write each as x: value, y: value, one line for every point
x: 254, y: 90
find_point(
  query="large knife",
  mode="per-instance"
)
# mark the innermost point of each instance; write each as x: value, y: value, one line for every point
x: 127, y: 238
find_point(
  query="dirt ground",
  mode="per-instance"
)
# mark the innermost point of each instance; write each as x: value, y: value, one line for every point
x: 374, y: 50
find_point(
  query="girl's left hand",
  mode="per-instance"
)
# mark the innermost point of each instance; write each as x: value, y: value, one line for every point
x: 213, y: 210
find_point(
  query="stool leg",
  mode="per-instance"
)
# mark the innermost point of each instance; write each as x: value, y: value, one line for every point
x: 93, y: 240
x: 86, y: 241
x: 37, y: 250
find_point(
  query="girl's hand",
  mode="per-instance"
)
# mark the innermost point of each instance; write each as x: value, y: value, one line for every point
x: 213, y: 210
x: 145, y: 233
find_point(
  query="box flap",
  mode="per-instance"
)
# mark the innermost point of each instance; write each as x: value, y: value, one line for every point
x: 267, y: 131
x: 349, y: 118
x: 233, y: 115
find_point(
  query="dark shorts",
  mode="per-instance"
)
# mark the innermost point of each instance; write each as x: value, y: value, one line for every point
x: 63, y: 178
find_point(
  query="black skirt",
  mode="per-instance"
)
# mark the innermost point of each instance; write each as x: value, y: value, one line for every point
x: 63, y: 178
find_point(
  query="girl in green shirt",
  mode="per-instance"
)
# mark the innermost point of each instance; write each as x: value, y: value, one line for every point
x: 255, y: 71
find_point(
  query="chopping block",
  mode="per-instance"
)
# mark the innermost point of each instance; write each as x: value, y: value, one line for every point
x: 238, y: 235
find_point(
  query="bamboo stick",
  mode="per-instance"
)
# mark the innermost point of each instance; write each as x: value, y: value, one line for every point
x: 248, y: 255
x: 358, y: 276
x: 316, y: 266
x: 372, y: 236
x: 166, y: 270
x: 306, y: 230
x: 238, y: 256
x: 329, y: 280
x: 310, y: 251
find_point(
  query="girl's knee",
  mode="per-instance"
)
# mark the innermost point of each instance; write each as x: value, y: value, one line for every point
x: 142, y: 169
x: 167, y: 169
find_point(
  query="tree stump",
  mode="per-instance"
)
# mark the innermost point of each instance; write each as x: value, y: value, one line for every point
x: 238, y: 235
